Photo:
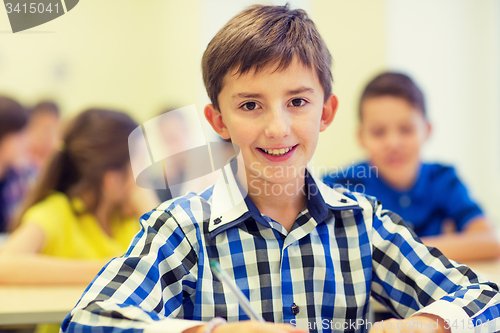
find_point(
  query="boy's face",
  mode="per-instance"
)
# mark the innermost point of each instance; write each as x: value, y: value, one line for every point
x: 43, y: 135
x: 12, y: 146
x: 393, y: 131
x: 275, y: 118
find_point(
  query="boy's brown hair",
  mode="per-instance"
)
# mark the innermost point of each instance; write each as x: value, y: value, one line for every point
x: 264, y: 35
x: 396, y: 85
x: 46, y: 106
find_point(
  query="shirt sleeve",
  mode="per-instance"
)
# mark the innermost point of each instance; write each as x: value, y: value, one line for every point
x: 409, y: 277
x: 458, y: 204
x: 151, y: 281
x: 50, y: 215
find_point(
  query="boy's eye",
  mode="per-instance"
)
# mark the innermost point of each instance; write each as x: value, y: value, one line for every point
x: 377, y: 132
x: 298, y: 102
x: 406, y: 129
x: 249, y: 106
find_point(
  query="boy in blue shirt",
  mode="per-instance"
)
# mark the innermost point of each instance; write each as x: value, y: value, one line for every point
x: 301, y: 252
x: 429, y: 197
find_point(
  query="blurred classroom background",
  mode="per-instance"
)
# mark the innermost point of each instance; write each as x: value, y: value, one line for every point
x: 141, y: 56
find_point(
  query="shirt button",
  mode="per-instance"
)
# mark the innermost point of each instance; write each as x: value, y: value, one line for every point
x: 295, y: 309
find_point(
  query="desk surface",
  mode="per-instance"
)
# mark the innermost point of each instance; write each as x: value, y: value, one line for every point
x: 23, y: 305
x: 34, y: 305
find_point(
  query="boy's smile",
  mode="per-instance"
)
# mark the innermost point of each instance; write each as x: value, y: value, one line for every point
x: 275, y: 117
x: 277, y: 154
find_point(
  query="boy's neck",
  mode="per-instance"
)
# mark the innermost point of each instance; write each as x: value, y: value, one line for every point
x: 281, y: 202
x: 403, y: 183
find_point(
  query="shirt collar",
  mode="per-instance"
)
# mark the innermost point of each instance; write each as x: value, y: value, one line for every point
x: 229, y: 207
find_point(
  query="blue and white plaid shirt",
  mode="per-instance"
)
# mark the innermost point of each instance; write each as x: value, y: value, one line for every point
x: 342, y: 248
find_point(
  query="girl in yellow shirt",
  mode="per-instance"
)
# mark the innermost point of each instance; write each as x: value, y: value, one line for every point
x: 84, y: 209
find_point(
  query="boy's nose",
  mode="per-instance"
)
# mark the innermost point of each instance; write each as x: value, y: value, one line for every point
x: 277, y: 123
x: 393, y: 140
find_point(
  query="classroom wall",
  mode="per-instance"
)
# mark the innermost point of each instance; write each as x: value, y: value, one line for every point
x: 115, y: 53
x: 354, y: 32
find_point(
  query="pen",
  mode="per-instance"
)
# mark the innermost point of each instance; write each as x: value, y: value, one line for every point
x: 244, y: 302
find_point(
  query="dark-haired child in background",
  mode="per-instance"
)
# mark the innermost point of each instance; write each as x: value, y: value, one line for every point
x: 13, y: 181
x: 429, y: 197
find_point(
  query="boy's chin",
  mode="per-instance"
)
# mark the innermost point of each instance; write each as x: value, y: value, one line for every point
x: 400, y: 169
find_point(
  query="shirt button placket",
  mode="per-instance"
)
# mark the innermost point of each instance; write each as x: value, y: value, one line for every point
x: 295, y: 309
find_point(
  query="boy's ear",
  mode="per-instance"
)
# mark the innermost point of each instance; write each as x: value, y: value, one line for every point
x: 429, y: 130
x: 361, y: 140
x: 329, y: 110
x: 214, y: 117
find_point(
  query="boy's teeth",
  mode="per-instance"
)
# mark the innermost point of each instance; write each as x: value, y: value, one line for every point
x: 277, y: 152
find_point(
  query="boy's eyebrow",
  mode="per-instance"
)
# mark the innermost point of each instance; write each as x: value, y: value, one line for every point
x: 300, y: 91
x: 290, y: 92
x: 247, y: 95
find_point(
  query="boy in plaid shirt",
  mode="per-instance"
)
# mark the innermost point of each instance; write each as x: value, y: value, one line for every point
x: 303, y: 253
